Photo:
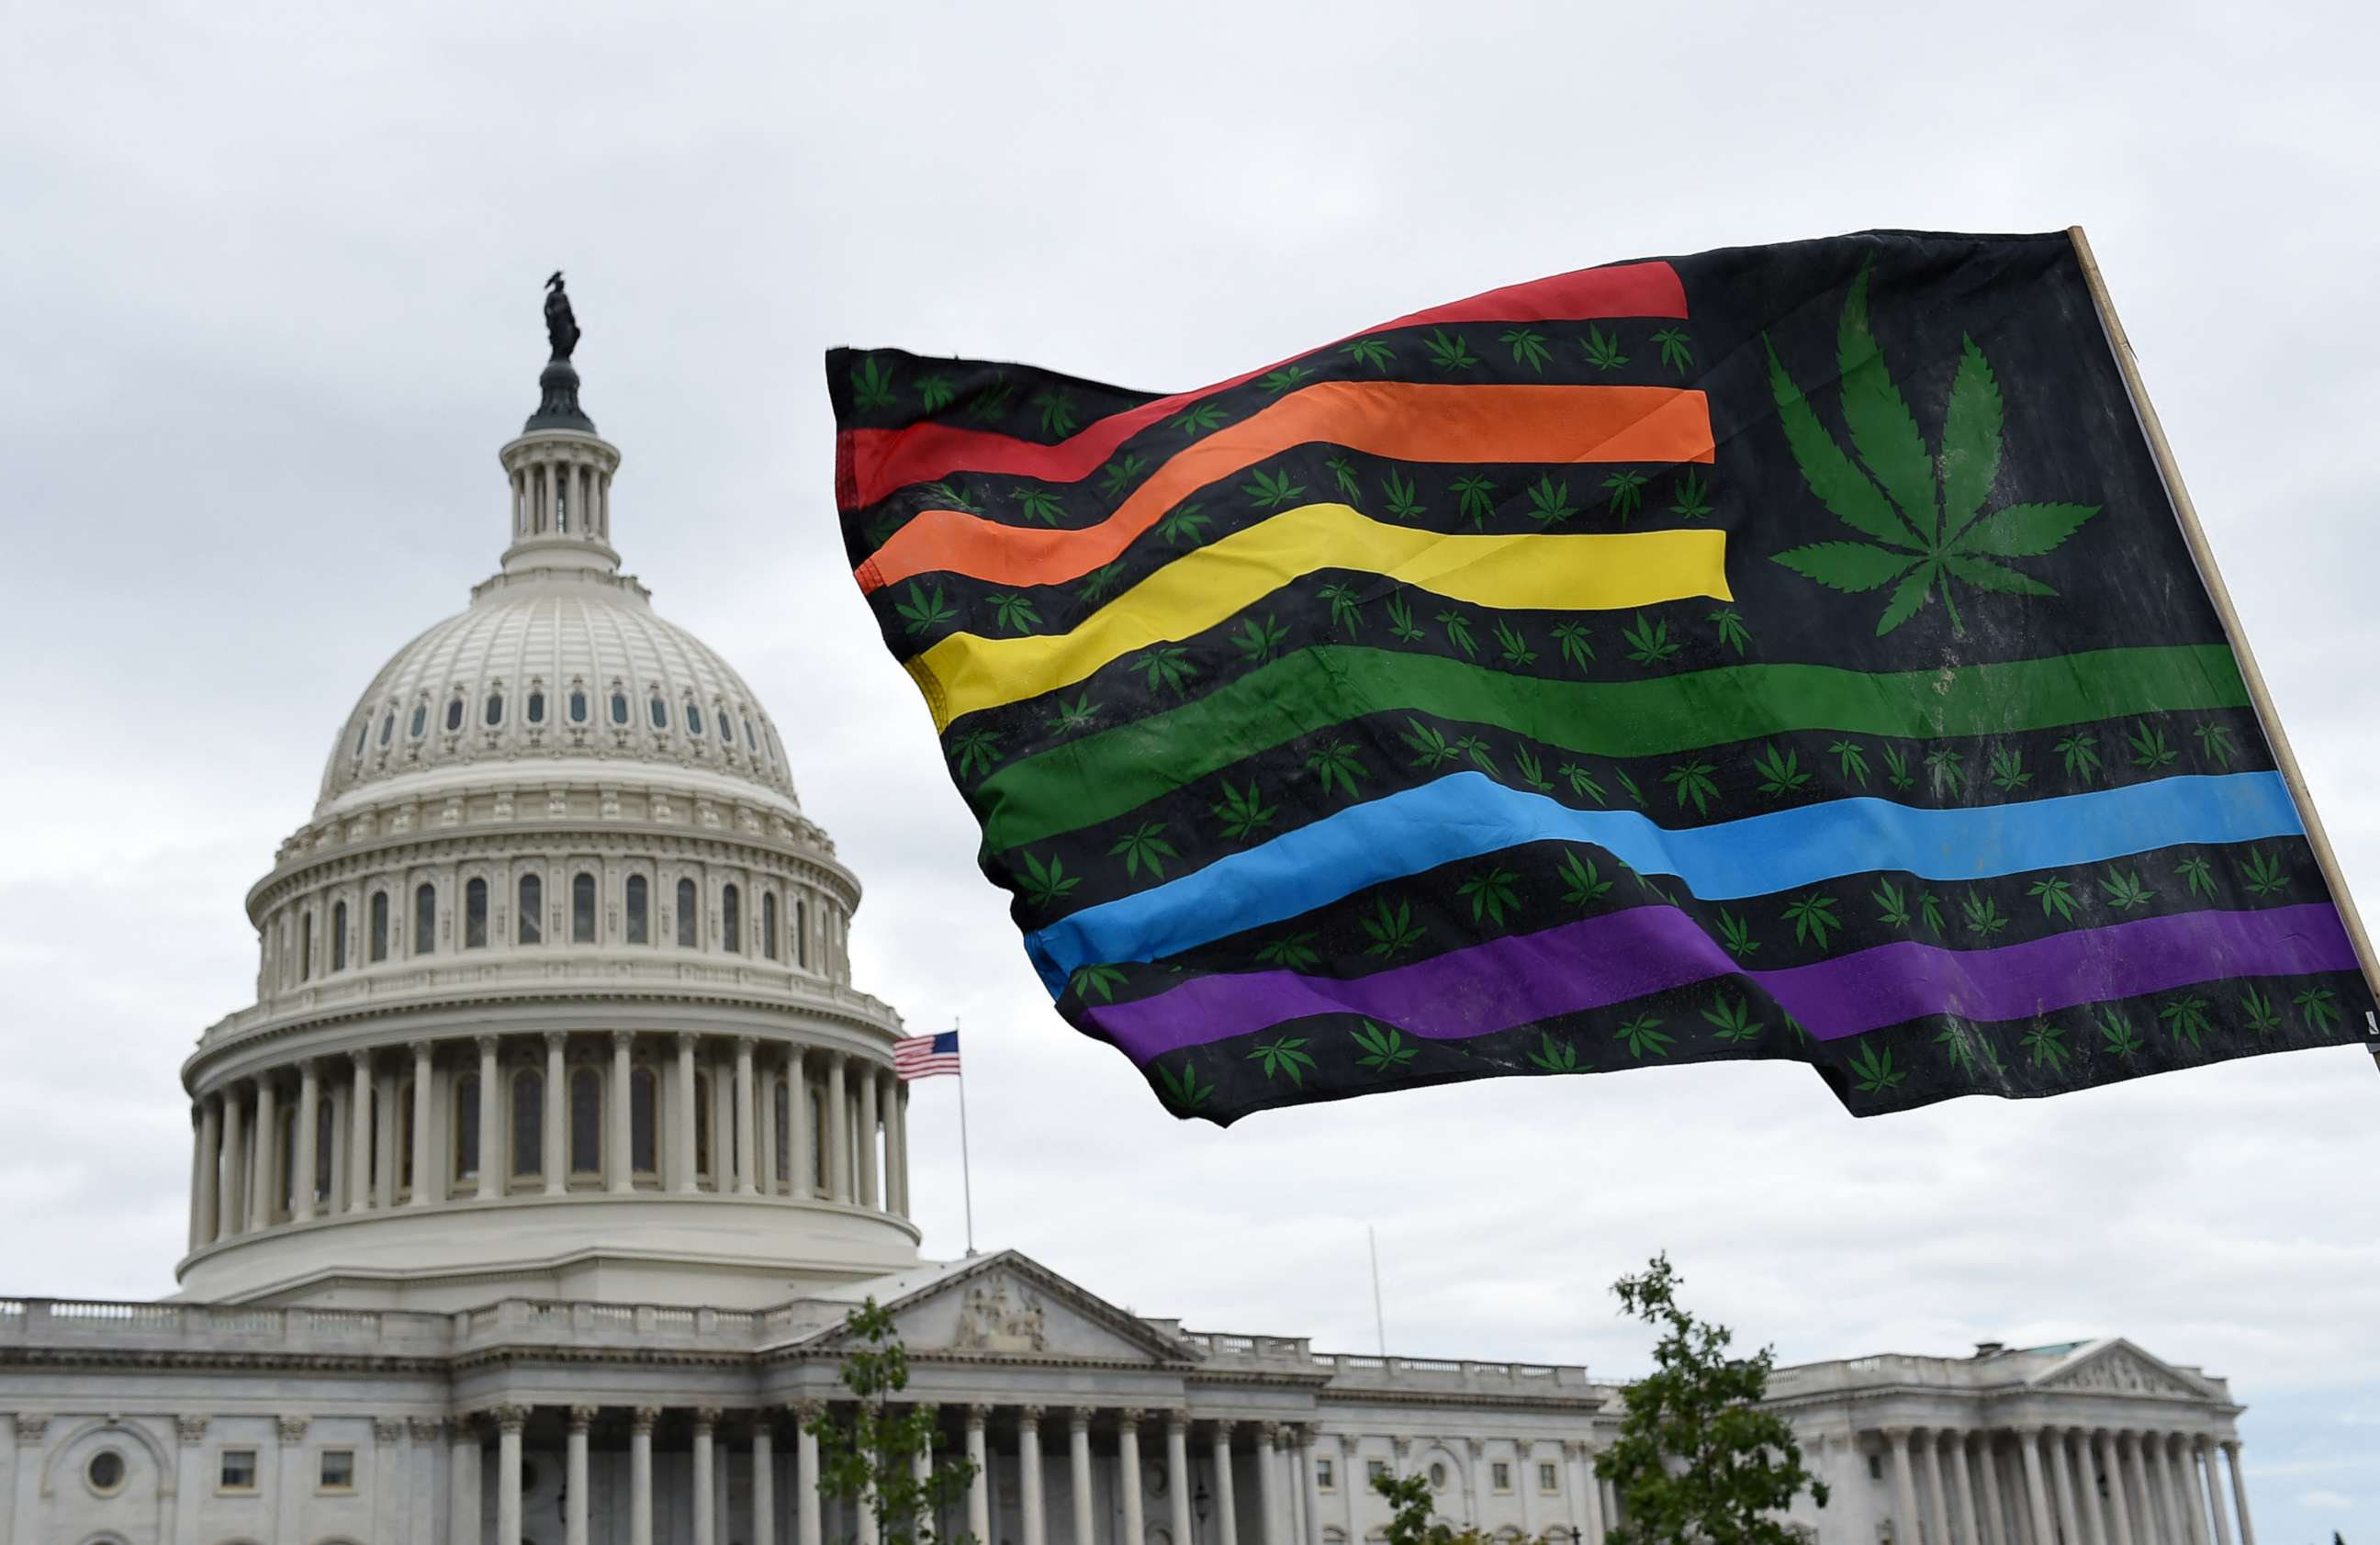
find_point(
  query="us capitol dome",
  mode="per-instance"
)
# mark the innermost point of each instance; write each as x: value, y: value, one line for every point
x: 554, y: 988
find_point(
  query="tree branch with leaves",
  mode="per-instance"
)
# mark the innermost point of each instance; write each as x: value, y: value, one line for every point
x: 871, y: 1456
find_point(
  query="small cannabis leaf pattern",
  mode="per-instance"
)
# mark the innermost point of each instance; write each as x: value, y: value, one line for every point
x: 1922, y: 512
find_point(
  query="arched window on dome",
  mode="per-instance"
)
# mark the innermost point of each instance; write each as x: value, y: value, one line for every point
x: 769, y: 924
x: 658, y: 711
x: 730, y: 919
x: 455, y: 714
x: 306, y: 946
x: 582, y: 908
x: 689, y: 924
x: 465, y: 1123
x: 619, y: 706
x: 364, y: 733
x: 475, y: 914
x: 528, y: 1124
x: 338, y: 935
x: 387, y: 726
x: 425, y: 918
x: 693, y: 717
x: 639, y: 910
x: 531, y: 910
x: 419, y: 721
x: 640, y: 1122
x: 577, y: 704
x: 726, y: 726
x: 750, y: 739
x: 780, y: 1100
x: 534, y: 707
x: 494, y: 713
x: 586, y: 1122
x: 377, y: 926
x: 802, y: 934
x: 702, y: 1126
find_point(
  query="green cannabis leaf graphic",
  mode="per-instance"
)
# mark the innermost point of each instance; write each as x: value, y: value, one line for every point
x: 1923, y: 534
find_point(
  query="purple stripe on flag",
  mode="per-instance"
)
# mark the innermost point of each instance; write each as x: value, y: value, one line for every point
x: 1609, y: 959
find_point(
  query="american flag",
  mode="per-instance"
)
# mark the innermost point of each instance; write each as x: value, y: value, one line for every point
x: 922, y: 1056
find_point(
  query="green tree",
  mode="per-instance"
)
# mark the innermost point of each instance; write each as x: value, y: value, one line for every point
x: 1697, y: 1462
x: 1410, y: 1509
x: 868, y: 1455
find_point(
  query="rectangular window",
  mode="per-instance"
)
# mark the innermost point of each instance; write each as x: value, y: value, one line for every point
x: 1875, y: 1466
x: 1325, y: 1476
x: 236, y: 1470
x: 1374, y: 1469
x: 1501, y: 1474
x: 338, y: 1469
x: 1548, y: 1479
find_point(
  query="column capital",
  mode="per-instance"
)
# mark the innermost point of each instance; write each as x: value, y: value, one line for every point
x: 487, y: 1045
x: 1899, y: 1436
x: 292, y: 1428
x: 2228, y: 1445
x: 1222, y: 1429
x: 1079, y: 1419
x: 361, y: 1056
x: 191, y: 1429
x: 419, y: 1049
x: 2024, y: 1429
x: 424, y: 1428
x: 2202, y: 1443
x: 806, y: 1411
x: 794, y: 1057
x: 1268, y: 1434
x: 1303, y: 1433
x: 1129, y: 1418
x: 685, y: 1039
x: 581, y: 1418
x: 554, y: 1038
x: 388, y: 1429
x: 1177, y: 1420
x: 510, y: 1418
x: 705, y: 1418
x: 1478, y: 1446
x: 1030, y: 1415
x: 625, y: 1038
x: 743, y: 1044
x: 641, y: 1420
x: 31, y: 1427
x: 1401, y: 1444
x: 977, y: 1416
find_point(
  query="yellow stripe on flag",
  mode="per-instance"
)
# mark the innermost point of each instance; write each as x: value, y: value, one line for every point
x: 966, y: 672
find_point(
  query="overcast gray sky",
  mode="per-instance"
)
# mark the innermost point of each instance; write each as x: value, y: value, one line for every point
x: 269, y: 303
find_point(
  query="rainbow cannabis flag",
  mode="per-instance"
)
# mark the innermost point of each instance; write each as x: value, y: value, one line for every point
x: 1784, y: 652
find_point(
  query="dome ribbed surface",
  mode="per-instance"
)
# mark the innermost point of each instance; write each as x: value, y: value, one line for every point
x: 551, y: 668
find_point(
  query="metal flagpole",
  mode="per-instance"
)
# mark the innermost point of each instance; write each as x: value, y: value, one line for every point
x: 2204, y: 556
x: 966, y: 1170
x: 1379, y: 1320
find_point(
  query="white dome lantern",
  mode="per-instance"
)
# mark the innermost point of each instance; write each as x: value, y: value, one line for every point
x: 557, y: 963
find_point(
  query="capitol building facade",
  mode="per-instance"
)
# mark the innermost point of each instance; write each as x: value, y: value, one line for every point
x: 530, y: 1197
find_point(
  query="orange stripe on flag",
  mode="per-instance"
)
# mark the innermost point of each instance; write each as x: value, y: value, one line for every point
x: 1399, y: 419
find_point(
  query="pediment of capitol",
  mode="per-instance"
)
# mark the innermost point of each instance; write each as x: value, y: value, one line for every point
x: 2117, y: 1366
x: 1008, y: 1306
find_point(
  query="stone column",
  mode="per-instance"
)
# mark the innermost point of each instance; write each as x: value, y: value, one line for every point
x: 191, y: 1432
x: 302, y: 1155
x: 2158, y: 1519
x: 233, y: 1213
x: 978, y: 1498
x: 764, y: 1100
x: 2061, y: 1480
x: 747, y: 1120
x: 705, y: 1496
x: 575, y: 1479
x: 798, y: 1141
x: 619, y: 1143
x: 491, y: 1140
x: 1078, y: 1440
x: 2086, y: 1488
x: 764, y: 1480
x: 1128, y: 1476
x: 1937, y: 1508
x: 509, y: 1422
x: 2036, y: 1486
x: 1227, y: 1507
x: 464, y: 1504
x: 210, y: 1172
x: 2215, y: 1509
x: 806, y: 1477
x: 1904, y: 1490
x: 1962, y: 1485
x: 1028, y: 1418
x: 359, y: 1134
x: 1590, y: 1495
x: 2239, y: 1490
x: 429, y: 1162
x: 1995, y: 1521
x: 267, y: 1147
x: 2192, y: 1500
x: 384, y: 1145
x: 1313, y: 1486
x: 682, y: 1139
x: 421, y: 1475
x: 640, y: 1474
x: 1177, y: 1477
x: 554, y: 1155
x: 2120, y: 1498
x: 899, y: 1144
x: 871, y: 1195
x: 838, y: 1140
x: 1269, y: 1499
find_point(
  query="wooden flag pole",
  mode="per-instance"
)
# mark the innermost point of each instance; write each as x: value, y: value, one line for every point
x: 2204, y: 556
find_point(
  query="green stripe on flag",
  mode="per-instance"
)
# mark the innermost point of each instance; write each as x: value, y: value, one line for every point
x: 1102, y: 775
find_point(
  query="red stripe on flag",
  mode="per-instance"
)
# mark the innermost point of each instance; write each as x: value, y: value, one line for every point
x: 870, y: 463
